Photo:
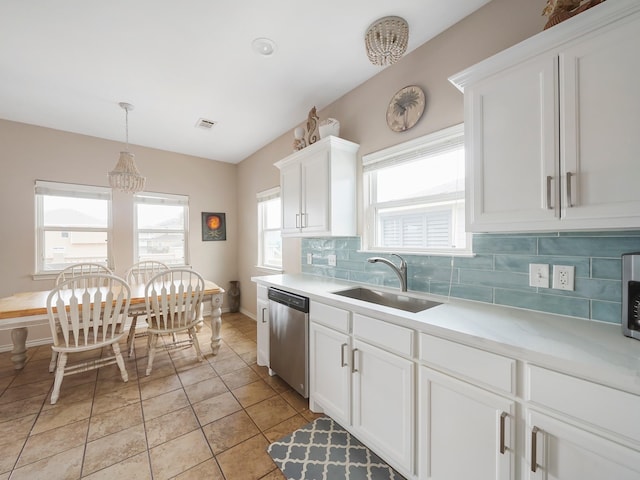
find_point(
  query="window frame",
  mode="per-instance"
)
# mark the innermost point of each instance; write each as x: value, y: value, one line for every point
x: 158, y: 198
x: 428, y: 145
x: 44, y: 188
x: 261, y: 199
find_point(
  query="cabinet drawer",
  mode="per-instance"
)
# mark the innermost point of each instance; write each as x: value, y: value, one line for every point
x: 329, y: 316
x: 378, y: 332
x: 263, y: 292
x: 475, y: 365
x: 605, y: 407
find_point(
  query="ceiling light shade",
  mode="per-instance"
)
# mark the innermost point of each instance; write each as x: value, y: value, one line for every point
x: 126, y: 177
x: 264, y: 46
x: 386, y: 40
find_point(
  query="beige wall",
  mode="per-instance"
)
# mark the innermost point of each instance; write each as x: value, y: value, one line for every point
x: 361, y: 112
x: 29, y: 153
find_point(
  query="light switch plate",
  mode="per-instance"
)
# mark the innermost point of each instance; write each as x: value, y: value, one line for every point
x: 539, y: 275
x: 309, y: 258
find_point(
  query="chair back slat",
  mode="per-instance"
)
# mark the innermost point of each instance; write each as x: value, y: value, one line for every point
x: 174, y: 298
x: 84, y: 270
x: 141, y: 272
x: 80, y: 315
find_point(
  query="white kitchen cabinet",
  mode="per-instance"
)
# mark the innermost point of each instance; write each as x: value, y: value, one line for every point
x: 383, y: 403
x: 330, y: 372
x: 458, y: 416
x: 565, y: 452
x: 551, y: 128
x: 262, y: 329
x: 465, y: 431
x: 579, y: 430
x: 318, y: 189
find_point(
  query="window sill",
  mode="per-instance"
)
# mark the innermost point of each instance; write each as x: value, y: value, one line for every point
x: 272, y: 270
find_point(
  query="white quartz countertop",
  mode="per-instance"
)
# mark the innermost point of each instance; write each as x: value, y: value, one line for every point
x: 593, y: 350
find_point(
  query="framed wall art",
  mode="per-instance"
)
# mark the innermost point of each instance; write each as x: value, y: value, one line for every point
x: 214, y: 227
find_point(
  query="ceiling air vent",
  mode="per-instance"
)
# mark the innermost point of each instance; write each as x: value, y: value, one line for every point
x: 205, y: 124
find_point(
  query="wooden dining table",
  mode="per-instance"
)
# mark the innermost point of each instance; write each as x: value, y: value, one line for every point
x: 29, y: 309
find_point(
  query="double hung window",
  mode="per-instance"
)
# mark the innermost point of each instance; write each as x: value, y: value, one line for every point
x: 269, y: 229
x: 73, y: 225
x: 414, y: 195
x: 161, y: 228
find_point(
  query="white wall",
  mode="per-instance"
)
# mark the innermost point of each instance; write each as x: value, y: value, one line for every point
x: 361, y: 112
x: 30, y: 152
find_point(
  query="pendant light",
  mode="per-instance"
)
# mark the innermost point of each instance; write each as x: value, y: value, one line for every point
x: 386, y: 40
x: 126, y: 177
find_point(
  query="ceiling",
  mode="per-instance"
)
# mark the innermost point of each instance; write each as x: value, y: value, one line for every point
x: 66, y: 65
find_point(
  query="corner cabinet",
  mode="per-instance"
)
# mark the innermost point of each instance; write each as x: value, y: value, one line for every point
x: 318, y: 189
x: 552, y: 127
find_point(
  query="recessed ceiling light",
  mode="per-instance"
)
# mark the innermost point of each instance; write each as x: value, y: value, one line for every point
x: 264, y: 46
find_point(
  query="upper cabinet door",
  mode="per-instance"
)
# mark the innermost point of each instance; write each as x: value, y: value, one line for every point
x: 511, y: 148
x: 291, y: 193
x: 600, y: 112
x: 316, y: 199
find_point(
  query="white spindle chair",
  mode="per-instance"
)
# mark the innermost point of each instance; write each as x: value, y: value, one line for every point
x: 173, y: 300
x: 74, y: 271
x: 84, y: 318
x: 140, y: 273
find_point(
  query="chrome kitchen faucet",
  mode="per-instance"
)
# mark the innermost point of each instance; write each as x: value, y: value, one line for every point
x: 400, y: 272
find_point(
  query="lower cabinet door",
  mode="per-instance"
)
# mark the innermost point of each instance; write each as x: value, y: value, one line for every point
x: 262, y: 331
x: 560, y: 451
x: 383, y: 404
x: 465, y: 432
x: 329, y: 373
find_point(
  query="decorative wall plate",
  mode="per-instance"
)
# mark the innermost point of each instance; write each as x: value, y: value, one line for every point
x: 405, y: 108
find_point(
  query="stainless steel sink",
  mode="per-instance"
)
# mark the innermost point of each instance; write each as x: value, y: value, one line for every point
x: 393, y: 300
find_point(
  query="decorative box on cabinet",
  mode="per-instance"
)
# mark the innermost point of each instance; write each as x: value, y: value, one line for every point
x: 318, y: 189
x: 551, y: 127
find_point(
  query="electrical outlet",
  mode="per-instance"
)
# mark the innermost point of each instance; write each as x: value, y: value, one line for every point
x: 309, y: 258
x: 332, y: 260
x: 539, y: 275
x: 564, y: 277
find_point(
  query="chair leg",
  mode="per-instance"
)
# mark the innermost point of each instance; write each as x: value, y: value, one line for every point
x: 52, y: 363
x: 120, y: 362
x: 132, y: 336
x: 196, y: 344
x: 153, y: 341
x: 62, y: 362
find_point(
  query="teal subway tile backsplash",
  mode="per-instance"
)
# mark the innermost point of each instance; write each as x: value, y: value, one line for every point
x: 499, y: 270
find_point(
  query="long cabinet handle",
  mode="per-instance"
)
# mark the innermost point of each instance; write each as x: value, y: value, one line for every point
x: 353, y: 360
x: 569, y: 196
x: 503, y: 415
x: 549, y: 204
x: 304, y: 220
x: 298, y: 223
x: 263, y: 311
x: 534, y: 449
x: 342, y: 355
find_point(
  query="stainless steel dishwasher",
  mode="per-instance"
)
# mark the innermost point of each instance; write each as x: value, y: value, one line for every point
x: 289, y: 339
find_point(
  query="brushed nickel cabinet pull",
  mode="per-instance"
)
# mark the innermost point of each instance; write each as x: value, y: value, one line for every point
x: 263, y: 320
x: 298, y: 224
x: 503, y: 415
x: 569, y: 199
x: 549, y: 205
x: 534, y: 449
x: 353, y: 360
x: 304, y: 220
x: 342, y: 355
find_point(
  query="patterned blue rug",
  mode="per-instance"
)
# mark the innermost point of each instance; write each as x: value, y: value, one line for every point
x: 323, y: 450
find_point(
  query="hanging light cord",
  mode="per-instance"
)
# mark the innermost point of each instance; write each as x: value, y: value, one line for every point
x: 126, y: 121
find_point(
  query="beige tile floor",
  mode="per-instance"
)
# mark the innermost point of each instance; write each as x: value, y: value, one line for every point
x: 187, y: 420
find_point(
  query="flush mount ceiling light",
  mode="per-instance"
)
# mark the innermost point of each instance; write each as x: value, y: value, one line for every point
x: 264, y: 46
x: 386, y: 40
x: 126, y: 177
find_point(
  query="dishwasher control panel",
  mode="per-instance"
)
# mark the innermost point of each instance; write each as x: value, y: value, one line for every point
x: 291, y: 300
